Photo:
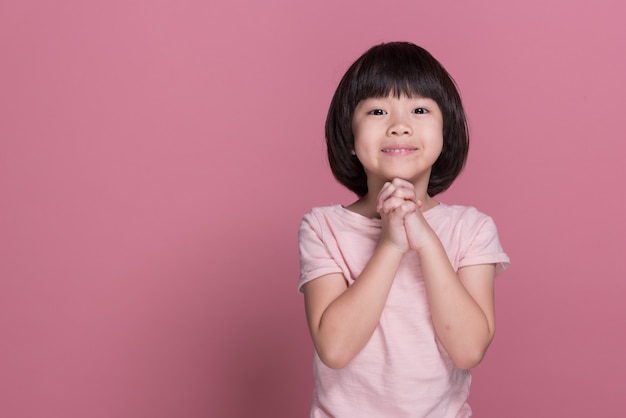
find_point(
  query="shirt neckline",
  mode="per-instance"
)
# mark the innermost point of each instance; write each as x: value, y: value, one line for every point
x: 357, y: 217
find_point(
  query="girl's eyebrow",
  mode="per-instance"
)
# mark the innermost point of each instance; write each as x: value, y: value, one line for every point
x: 372, y: 101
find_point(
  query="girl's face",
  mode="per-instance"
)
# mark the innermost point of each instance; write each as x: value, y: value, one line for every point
x: 397, y: 138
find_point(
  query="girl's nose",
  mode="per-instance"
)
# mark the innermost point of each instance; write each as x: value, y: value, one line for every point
x: 399, y: 127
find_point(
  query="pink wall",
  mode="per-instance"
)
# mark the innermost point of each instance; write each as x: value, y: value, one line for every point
x: 156, y: 158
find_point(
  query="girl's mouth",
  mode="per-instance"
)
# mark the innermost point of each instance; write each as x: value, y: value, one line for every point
x: 399, y: 149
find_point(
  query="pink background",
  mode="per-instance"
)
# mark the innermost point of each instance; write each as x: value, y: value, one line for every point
x: 156, y: 158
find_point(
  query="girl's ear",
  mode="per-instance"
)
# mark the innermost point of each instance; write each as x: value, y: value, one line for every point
x: 353, y: 152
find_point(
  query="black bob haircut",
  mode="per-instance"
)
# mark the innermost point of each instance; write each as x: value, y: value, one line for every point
x: 398, y: 68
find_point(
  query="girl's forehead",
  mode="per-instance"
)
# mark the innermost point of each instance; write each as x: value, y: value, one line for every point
x: 398, y: 95
x: 396, y: 90
x: 392, y: 96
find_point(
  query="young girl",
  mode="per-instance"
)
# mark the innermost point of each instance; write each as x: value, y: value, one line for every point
x: 398, y: 287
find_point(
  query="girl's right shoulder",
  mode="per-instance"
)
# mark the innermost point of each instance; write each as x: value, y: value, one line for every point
x: 323, y: 212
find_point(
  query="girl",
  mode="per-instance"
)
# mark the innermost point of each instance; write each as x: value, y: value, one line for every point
x: 398, y: 287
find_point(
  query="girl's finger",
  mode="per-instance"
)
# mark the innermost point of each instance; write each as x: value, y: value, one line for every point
x: 405, y: 187
x: 384, y: 194
x: 405, y: 208
x: 404, y: 194
x: 401, y: 183
x: 391, y: 204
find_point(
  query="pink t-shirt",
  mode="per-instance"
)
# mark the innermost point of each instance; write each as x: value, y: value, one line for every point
x: 403, y: 371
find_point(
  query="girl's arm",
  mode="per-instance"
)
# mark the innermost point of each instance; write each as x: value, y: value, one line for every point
x: 342, y: 319
x: 461, y: 303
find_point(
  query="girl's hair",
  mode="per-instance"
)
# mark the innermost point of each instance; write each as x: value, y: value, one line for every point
x: 398, y: 68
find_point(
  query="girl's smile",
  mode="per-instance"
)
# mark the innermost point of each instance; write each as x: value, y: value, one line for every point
x: 399, y: 150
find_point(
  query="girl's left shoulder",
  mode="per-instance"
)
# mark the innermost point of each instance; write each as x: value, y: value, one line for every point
x: 460, y: 220
x: 459, y: 212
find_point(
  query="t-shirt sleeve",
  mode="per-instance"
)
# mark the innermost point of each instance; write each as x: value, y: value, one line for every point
x: 484, y: 246
x: 315, y: 258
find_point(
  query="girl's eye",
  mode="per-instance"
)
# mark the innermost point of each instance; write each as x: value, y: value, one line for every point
x: 420, y: 111
x: 377, y: 112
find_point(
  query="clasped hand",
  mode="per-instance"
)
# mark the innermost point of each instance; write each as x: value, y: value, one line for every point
x: 404, y: 226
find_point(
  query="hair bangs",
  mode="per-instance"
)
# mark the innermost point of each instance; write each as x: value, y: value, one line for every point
x: 396, y: 73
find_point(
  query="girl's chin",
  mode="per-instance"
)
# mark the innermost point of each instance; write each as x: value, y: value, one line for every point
x: 402, y: 177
